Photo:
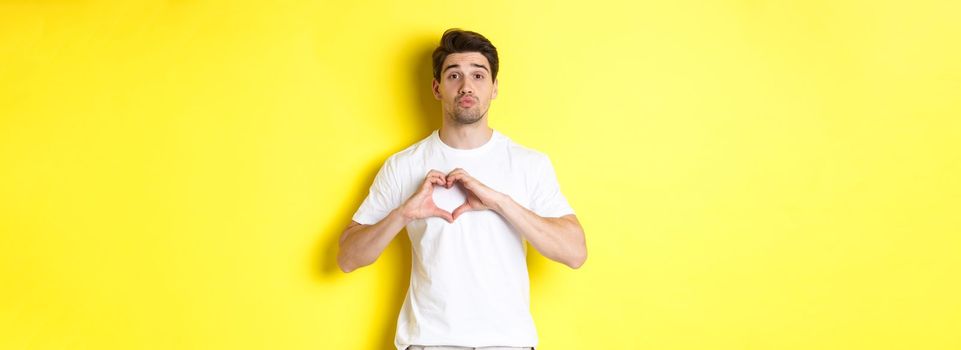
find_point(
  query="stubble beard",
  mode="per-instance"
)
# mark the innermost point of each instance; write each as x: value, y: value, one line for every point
x: 467, y: 116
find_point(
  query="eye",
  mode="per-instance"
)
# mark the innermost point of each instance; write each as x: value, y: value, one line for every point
x: 454, y: 76
x: 478, y: 76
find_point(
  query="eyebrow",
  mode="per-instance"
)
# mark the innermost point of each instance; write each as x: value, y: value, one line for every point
x: 473, y: 64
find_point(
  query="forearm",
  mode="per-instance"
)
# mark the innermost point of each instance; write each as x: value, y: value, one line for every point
x: 363, y: 244
x: 558, y: 239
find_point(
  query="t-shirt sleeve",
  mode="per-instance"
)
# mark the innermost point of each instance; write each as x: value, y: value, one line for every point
x: 547, y: 199
x: 384, y: 195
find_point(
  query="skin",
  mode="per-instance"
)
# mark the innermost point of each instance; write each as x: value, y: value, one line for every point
x: 465, y: 89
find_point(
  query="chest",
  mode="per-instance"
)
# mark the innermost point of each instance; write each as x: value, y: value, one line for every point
x: 498, y: 172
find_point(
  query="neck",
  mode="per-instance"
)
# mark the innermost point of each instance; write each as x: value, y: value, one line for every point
x: 467, y: 136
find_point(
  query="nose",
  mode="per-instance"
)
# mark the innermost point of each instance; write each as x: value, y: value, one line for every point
x: 466, y: 88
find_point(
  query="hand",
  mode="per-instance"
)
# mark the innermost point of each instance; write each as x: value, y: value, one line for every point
x: 421, y: 204
x: 479, y: 196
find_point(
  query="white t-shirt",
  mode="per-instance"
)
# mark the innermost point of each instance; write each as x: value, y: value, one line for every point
x: 468, y: 284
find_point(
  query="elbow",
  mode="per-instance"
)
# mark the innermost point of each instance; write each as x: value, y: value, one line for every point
x: 342, y: 261
x: 578, y: 261
x: 345, y: 268
x: 348, y: 264
x: 345, y: 261
x: 578, y: 251
x: 579, y: 256
x: 344, y: 265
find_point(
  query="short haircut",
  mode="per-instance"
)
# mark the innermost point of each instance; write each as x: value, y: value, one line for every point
x: 456, y: 40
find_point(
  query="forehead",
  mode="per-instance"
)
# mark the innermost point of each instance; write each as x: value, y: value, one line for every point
x: 465, y: 59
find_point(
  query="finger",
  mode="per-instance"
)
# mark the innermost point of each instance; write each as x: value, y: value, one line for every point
x: 458, y: 177
x: 434, y: 174
x: 426, y: 186
x: 430, y: 178
x: 441, y: 179
x: 455, y: 171
x: 442, y: 183
x: 436, y: 180
x: 450, y: 178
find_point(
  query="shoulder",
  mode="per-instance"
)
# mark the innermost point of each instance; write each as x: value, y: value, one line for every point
x: 405, y: 157
x: 527, y: 155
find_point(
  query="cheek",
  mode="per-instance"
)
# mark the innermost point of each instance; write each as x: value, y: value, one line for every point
x: 449, y: 92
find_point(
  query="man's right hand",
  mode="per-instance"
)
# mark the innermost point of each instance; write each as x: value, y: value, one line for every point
x: 421, y: 204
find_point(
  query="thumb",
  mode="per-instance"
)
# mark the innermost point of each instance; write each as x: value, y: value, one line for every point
x: 443, y: 214
x: 461, y: 209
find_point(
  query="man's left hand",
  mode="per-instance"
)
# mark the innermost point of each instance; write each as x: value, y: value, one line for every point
x: 479, y: 196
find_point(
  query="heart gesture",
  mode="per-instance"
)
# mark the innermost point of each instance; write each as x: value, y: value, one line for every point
x: 421, y: 205
x: 479, y: 196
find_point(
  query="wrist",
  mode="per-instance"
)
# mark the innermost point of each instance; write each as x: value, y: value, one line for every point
x: 402, y: 215
x: 501, y: 202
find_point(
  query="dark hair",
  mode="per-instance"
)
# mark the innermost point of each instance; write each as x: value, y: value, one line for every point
x: 456, y: 40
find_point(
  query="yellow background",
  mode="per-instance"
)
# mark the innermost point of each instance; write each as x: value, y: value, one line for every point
x: 750, y: 174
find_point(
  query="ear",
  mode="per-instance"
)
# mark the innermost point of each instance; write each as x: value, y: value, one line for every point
x: 435, y: 88
x: 494, y: 93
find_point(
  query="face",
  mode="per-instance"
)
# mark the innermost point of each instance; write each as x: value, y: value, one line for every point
x: 465, y: 88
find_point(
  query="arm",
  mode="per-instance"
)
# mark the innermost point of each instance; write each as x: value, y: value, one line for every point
x: 361, y: 245
x: 559, y: 239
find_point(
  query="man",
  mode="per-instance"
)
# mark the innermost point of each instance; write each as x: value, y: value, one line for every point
x: 469, y: 284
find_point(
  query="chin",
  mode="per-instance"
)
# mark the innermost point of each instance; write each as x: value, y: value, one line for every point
x: 466, y: 121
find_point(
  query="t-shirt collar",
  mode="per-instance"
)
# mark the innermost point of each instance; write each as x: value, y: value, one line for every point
x: 435, y: 135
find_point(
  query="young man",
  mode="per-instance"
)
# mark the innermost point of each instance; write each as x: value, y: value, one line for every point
x: 469, y: 284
